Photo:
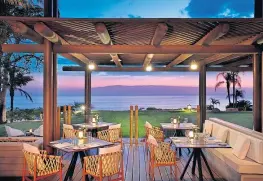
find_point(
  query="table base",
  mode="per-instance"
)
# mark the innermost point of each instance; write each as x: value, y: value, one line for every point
x: 196, y: 155
x: 72, y: 165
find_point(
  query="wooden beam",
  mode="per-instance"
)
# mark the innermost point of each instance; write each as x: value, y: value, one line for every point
x: 134, y: 49
x: 155, y: 69
x: 104, y: 35
x: 53, y: 37
x: 238, y: 62
x: 164, y: 49
x: 216, y: 59
x: 22, y: 48
x: 159, y: 34
x: 214, y: 34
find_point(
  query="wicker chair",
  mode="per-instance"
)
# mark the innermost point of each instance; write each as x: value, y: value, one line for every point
x: 156, y: 132
x: 105, y: 165
x: 41, y: 165
x: 111, y: 135
x: 161, y: 155
x: 69, y: 133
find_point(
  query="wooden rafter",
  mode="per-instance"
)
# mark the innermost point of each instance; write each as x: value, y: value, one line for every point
x: 156, y: 69
x: 219, y: 58
x: 105, y: 38
x: 214, y: 34
x: 159, y: 34
x: 53, y: 37
x: 27, y: 32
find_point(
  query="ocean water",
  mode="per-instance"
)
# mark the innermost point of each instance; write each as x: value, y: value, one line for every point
x: 123, y: 102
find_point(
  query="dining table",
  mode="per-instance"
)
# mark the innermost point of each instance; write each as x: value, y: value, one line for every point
x: 197, y: 153
x: 79, y: 148
x: 179, y: 130
x: 94, y: 127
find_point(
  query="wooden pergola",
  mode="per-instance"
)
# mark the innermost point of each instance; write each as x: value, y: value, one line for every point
x: 133, y: 44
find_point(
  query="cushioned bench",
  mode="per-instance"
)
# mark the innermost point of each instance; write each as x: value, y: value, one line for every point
x: 226, y: 163
x: 11, y: 155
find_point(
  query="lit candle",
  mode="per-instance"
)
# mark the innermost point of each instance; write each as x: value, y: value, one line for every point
x: 175, y: 121
x: 30, y: 130
x: 191, y: 134
x: 80, y: 134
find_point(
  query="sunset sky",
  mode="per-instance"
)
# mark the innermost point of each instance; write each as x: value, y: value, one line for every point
x: 146, y: 9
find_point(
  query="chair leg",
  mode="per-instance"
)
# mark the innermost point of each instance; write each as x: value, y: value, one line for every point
x: 171, y: 170
x: 175, y: 175
x: 153, y: 173
x: 60, y: 175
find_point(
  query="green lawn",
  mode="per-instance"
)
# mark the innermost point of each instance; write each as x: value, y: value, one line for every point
x: 154, y: 117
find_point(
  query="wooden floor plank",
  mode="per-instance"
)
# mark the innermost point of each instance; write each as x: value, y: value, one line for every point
x: 136, y: 163
x: 129, y: 171
x: 143, y: 172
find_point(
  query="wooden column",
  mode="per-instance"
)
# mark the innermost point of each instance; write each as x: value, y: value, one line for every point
x: 131, y: 125
x: 57, y: 125
x: 48, y: 95
x: 54, y: 105
x: 48, y: 8
x: 202, y: 95
x: 257, y: 92
x: 136, y: 122
x: 65, y: 114
x: 258, y: 9
x: 87, y: 95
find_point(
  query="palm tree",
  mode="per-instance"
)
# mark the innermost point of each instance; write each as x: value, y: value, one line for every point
x: 13, y: 8
x: 227, y: 80
x: 239, y: 94
x: 236, y: 80
x: 214, y: 101
x: 16, y: 81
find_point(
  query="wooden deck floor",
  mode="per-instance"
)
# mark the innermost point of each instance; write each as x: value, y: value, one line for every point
x: 136, y: 167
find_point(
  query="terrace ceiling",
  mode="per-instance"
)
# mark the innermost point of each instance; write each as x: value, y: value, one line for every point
x: 142, y: 32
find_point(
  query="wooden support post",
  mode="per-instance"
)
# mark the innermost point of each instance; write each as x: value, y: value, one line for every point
x: 257, y: 91
x: 57, y: 124
x: 48, y: 10
x: 87, y: 95
x: 65, y: 114
x: 197, y: 115
x: 69, y: 114
x: 136, y: 120
x: 258, y: 9
x: 54, y: 108
x: 202, y: 95
x: 48, y: 96
x: 131, y: 125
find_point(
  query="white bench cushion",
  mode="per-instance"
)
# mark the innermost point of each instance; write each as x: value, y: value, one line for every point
x: 220, y: 152
x: 246, y: 166
x: 241, y: 147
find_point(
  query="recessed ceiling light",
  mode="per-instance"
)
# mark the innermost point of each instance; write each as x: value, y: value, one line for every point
x: 91, y: 66
x: 193, y: 65
x: 149, y: 68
